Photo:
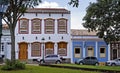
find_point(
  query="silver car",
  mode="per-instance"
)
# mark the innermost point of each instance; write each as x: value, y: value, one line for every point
x: 51, y: 59
x: 115, y: 62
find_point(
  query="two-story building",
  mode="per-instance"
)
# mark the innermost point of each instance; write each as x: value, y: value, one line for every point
x: 43, y: 31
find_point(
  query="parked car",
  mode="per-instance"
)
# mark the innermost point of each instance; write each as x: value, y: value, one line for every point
x: 88, y: 61
x: 113, y: 62
x: 51, y: 59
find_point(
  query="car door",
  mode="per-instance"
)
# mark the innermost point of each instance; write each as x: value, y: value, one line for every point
x: 47, y: 59
x: 87, y: 60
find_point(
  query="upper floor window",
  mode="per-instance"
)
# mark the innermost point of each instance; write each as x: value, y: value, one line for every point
x: 62, y: 26
x: 23, y: 26
x: 49, y: 26
x: 36, y: 25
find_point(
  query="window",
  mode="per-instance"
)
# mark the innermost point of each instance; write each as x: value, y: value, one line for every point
x: 49, y: 48
x: 62, y: 48
x: 90, y: 51
x: 49, y: 26
x: 36, y: 52
x: 77, y: 53
x: 62, y: 26
x: 36, y: 25
x: 23, y: 26
x: 102, y: 52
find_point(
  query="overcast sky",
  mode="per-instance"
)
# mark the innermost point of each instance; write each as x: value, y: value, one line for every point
x: 77, y: 14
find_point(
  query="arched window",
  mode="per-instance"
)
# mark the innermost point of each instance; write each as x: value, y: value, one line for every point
x: 62, y: 48
x: 23, y: 26
x: 49, y: 26
x: 36, y: 26
x: 36, y: 49
x: 49, y: 48
x: 62, y: 26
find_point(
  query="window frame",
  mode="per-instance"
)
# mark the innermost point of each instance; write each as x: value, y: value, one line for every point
x: 27, y: 26
x: 77, y: 55
x: 39, y: 49
x: 40, y: 25
x: 65, y: 26
x: 91, y: 47
x: 48, y: 26
x: 102, y: 53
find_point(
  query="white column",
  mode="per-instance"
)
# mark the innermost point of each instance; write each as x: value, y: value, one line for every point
x: 96, y: 46
x: 108, y: 51
x: 84, y: 49
x: 55, y: 48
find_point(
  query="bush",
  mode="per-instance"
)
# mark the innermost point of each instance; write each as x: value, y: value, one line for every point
x: 13, y: 65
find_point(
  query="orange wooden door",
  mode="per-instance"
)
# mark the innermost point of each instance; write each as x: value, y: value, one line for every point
x: 23, y: 54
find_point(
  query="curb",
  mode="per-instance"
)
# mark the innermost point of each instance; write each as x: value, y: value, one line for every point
x: 78, y: 68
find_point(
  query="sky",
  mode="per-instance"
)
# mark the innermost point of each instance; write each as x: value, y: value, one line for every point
x: 77, y: 14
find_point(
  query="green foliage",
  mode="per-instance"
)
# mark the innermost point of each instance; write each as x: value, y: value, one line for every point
x: 75, y: 3
x: 13, y: 65
x: 104, y: 17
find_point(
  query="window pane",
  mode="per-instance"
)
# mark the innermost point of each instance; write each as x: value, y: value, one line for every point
x: 36, y: 26
x: 102, y: 50
x: 62, y: 26
x: 36, y: 49
x: 77, y: 50
x: 23, y: 28
x: 49, y: 26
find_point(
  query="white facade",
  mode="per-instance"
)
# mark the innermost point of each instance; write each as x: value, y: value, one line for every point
x: 29, y: 38
x: 5, y: 50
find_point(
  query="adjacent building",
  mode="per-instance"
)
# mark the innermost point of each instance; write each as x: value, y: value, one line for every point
x: 86, y: 43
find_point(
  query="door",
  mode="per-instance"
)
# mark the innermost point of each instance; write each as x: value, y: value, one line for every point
x: 23, y: 54
x: 114, y: 53
x: 90, y: 51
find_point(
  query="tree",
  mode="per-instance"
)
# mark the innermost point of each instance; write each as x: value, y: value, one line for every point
x: 15, y: 10
x: 104, y: 17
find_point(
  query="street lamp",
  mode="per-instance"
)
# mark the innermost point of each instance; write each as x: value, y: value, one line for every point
x: 3, y: 8
x: 43, y: 46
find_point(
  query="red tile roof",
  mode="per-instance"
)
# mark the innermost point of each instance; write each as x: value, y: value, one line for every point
x: 48, y: 10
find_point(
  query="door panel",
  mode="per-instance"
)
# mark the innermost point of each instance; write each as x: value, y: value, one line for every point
x: 114, y: 53
x: 23, y: 54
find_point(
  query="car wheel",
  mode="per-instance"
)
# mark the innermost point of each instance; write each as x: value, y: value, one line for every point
x: 81, y: 63
x: 42, y: 62
x: 57, y: 62
x: 113, y: 64
x: 96, y: 64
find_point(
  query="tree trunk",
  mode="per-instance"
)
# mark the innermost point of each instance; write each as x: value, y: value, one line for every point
x: 12, y: 32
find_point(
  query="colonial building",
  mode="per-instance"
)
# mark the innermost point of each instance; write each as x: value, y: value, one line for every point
x: 43, y: 31
x: 86, y: 43
x: 115, y: 50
